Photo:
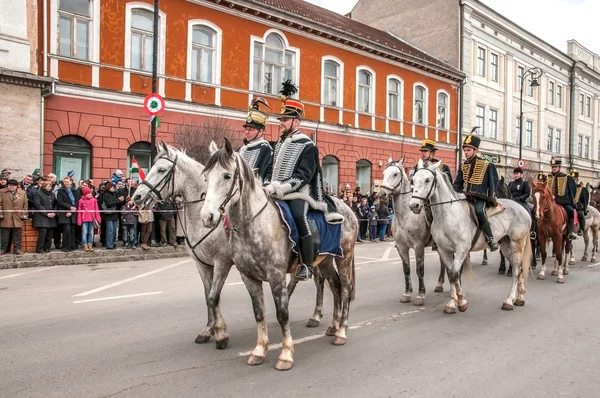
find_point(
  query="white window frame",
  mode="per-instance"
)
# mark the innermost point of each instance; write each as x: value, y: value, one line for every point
x: 528, y: 133
x: 340, y: 89
x: 518, y: 130
x: 588, y: 106
x: 425, y: 103
x: 550, y: 142
x: 580, y: 145
x: 559, y: 93
x: 557, y: 140
x: 581, y: 103
x: 494, y: 68
x: 481, y: 61
x: 446, y: 125
x: 218, y: 46
x: 480, y: 119
x: 76, y: 17
x: 586, y: 147
x: 372, y: 96
x: 162, y: 29
x: 530, y: 88
x: 551, y: 93
x: 286, y: 44
x: 520, y: 72
x: 493, y: 132
x: 400, y: 97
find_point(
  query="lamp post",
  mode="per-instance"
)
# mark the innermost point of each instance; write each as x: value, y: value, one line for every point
x: 154, y: 79
x: 535, y: 73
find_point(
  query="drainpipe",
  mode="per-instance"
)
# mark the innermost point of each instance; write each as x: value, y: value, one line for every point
x: 45, y: 74
x: 572, y: 113
x: 461, y: 25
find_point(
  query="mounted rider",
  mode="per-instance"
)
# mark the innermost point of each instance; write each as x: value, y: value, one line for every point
x: 477, y: 179
x: 582, y: 201
x: 297, y: 178
x: 428, y: 149
x: 563, y: 188
x: 520, y: 192
x: 257, y: 151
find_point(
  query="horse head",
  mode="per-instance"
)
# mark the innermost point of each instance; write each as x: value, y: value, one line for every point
x: 227, y: 178
x: 542, y: 199
x: 393, y: 177
x: 424, y: 184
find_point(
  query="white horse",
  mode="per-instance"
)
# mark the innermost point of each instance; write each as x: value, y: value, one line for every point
x: 592, y: 224
x: 456, y: 234
x: 411, y: 231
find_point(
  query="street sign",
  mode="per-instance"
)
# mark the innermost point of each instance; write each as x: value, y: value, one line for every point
x: 490, y: 157
x: 154, y: 104
x: 521, y: 163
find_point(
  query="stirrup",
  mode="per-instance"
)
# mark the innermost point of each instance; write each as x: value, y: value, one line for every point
x: 304, y: 273
x: 572, y: 236
x: 493, y: 245
x: 533, y: 235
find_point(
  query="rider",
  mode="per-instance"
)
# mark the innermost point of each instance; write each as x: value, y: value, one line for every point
x: 563, y: 188
x: 520, y: 191
x: 428, y: 150
x: 256, y: 151
x: 477, y: 179
x: 297, y: 178
x: 582, y: 200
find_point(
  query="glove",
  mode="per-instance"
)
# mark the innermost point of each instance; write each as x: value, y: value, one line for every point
x: 585, y: 213
x: 494, y: 202
x: 269, y: 189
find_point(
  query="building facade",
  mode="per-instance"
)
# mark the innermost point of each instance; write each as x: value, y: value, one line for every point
x: 560, y: 116
x: 369, y: 96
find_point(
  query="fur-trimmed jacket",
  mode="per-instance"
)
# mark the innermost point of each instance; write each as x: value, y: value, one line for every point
x: 259, y: 156
x: 297, y: 175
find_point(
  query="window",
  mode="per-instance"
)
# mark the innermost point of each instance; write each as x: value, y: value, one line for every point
x: 518, y: 131
x: 142, y: 26
x: 586, y: 148
x: 72, y: 153
x: 363, y: 175
x: 559, y: 96
x: 551, y: 93
x: 74, y: 27
x: 481, y: 61
x: 394, y: 99
x: 520, y: 72
x: 580, y: 145
x: 493, y: 124
x: 557, y: 143
x: 141, y: 152
x: 419, y: 106
x: 203, y: 54
x: 273, y: 64
x: 365, y: 91
x: 550, y: 139
x: 480, y: 117
x: 529, y: 87
x: 494, y: 67
x: 442, y: 111
x: 331, y: 83
x: 529, y: 134
x: 588, y: 106
x: 581, y: 104
x: 330, y: 174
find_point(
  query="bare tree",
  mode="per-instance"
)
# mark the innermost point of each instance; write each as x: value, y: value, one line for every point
x: 195, y: 138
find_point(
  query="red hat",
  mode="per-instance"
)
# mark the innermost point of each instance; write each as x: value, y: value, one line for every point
x: 86, y: 191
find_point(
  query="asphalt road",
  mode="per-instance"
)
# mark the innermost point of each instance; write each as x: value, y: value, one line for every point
x: 128, y: 330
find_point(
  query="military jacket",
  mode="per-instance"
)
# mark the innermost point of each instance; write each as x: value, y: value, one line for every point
x: 259, y: 156
x: 477, y: 178
x: 520, y: 190
x: 582, y: 197
x: 563, y: 187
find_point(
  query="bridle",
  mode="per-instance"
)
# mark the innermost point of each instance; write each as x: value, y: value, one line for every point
x: 168, y: 179
x: 426, y: 199
x: 393, y: 190
x: 546, y: 209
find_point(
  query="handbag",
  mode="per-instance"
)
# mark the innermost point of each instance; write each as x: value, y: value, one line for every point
x: 94, y: 221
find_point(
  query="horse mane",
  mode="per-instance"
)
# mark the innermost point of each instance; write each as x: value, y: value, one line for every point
x: 224, y: 159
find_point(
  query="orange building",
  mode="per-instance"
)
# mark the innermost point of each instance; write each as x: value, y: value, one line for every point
x: 369, y: 95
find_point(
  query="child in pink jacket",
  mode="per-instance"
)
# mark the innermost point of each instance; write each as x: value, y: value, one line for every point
x: 88, y: 217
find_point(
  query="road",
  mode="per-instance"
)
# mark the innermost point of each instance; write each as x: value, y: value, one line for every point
x: 128, y: 330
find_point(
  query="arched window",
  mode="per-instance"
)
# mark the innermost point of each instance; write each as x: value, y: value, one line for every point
x: 74, y: 28
x: 273, y: 63
x: 394, y: 98
x: 72, y: 153
x: 330, y: 173
x: 365, y: 91
x: 442, y: 110
x: 420, y: 105
x: 141, y: 152
x: 331, y: 83
x: 363, y: 175
x: 142, y: 27
x: 203, y: 54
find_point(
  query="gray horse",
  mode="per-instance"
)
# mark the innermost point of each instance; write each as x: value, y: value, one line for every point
x: 411, y: 231
x: 456, y: 234
x: 592, y: 224
x: 261, y: 249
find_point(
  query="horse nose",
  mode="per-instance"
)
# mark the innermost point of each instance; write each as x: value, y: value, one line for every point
x: 415, y: 207
x: 137, y: 197
x: 208, y: 219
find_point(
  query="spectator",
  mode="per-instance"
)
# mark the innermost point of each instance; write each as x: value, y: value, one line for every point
x: 110, y: 205
x: 383, y: 219
x: 363, y: 219
x: 88, y: 217
x: 68, y: 201
x: 27, y: 183
x: 372, y: 214
x: 128, y: 223
x: 13, y: 201
x: 3, y: 180
x: 45, y: 216
x: 117, y: 176
x: 146, y: 219
x: 165, y: 212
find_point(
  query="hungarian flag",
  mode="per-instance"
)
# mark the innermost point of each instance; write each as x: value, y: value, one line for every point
x: 135, y: 169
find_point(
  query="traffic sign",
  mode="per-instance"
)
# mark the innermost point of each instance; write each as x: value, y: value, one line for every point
x: 154, y: 104
x: 521, y: 163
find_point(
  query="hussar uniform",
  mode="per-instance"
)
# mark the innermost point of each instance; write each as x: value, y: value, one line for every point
x: 582, y: 201
x: 477, y: 179
x: 430, y: 145
x: 520, y: 192
x: 258, y: 153
x: 563, y: 188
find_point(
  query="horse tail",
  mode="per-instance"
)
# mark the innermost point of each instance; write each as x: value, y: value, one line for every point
x: 467, y: 269
x: 353, y: 295
x: 526, y: 262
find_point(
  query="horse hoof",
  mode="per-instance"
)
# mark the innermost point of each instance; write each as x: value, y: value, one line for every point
x: 254, y: 360
x: 484, y: 262
x: 533, y: 266
x: 554, y: 273
x: 501, y: 271
x: 339, y: 340
x: 222, y: 344
x: 507, y: 307
x: 405, y: 299
x: 584, y: 258
x: 509, y: 274
x: 541, y: 277
x: 571, y: 262
x: 566, y: 272
x: 519, y: 302
x: 331, y: 331
x: 419, y: 301
x: 560, y: 280
x: 464, y: 307
x: 312, y: 323
x: 283, y: 365
x: 449, y: 310
x: 439, y: 289
x: 202, y: 339
x: 592, y: 259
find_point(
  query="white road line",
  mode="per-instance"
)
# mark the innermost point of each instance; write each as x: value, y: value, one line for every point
x: 321, y: 335
x: 234, y: 283
x: 31, y: 272
x: 587, y: 266
x: 116, y: 297
x: 367, y: 258
x: 131, y: 279
x: 386, y: 255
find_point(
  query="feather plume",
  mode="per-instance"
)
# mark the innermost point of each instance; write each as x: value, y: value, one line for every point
x: 288, y: 89
x: 255, y: 104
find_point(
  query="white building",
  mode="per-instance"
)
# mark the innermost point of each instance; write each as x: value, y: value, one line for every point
x: 560, y: 116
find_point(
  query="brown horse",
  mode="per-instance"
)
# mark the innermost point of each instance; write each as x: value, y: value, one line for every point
x: 551, y: 225
x: 595, y: 198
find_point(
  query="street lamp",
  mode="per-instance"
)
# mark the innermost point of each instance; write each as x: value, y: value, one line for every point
x: 535, y: 74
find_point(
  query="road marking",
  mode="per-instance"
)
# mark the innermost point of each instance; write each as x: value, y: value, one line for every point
x: 368, y: 258
x: 321, y: 335
x: 234, y: 283
x: 27, y: 273
x: 131, y: 279
x: 587, y: 266
x: 116, y: 297
x: 386, y: 255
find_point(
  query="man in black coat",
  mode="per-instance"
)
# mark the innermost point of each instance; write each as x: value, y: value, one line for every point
x: 45, y: 216
x: 520, y: 192
x: 257, y: 151
x: 428, y: 150
x: 67, y: 200
x: 582, y: 201
x: 563, y: 188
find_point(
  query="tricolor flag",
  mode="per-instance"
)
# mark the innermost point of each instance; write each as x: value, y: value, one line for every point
x: 135, y: 169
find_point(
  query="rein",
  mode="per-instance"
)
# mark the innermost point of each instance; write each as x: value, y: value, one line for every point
x: 168, y: 179
x: 426, y: 199
x: 392, y: 190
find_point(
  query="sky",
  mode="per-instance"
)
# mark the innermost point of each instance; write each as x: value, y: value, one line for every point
x: 554, y: 21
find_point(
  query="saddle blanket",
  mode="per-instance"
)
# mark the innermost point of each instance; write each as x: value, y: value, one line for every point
x: 329, y: 235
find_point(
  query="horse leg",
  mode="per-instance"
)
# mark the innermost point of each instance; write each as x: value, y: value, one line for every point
x: 408, y: 289
x: 259, y: 352
x: 420, y: 260
x: 534, y: 253
x: 347, y: 286
x: 594, y: 243
x: 586, y: 241
x: 454, y: 270
x: 569, y: 254
x: 315, y: 319
x: 328, y: 272
x: 542, y: 247
x: 441, y: 278
x: 502, y: 268
x: 206, y: 274
x: 485, y: 259
x: 286, y: 359
x: 510, y: 249
x: 220, y: 328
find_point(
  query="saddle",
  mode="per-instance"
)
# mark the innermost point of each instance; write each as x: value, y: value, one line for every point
x: 490, y: 212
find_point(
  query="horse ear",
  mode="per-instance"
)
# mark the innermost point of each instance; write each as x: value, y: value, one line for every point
x: 401, y: 161
x: 165, y: 147
x: 420, y: 165
x: 228, y: 147
x: 212, y: 147
x: 435, y: 165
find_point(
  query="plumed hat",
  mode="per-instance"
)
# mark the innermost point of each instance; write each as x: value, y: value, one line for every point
x: 574, y: 174
x: 290, y: 107
x: 472, y: 139
x: 541, y: 177
x: 428, y: 145
x: 256, y: 117
x: 555, y: 161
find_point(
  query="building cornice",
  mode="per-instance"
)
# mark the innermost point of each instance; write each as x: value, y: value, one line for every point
x: 24, y: 79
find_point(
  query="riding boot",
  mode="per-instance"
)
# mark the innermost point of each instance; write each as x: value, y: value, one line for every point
x: 489, y: 237
x: 307, y: 256
x: 581, y: 224
x: 570, y: 228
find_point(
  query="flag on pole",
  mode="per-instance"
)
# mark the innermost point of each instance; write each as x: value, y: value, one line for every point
x: 135, y: 169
